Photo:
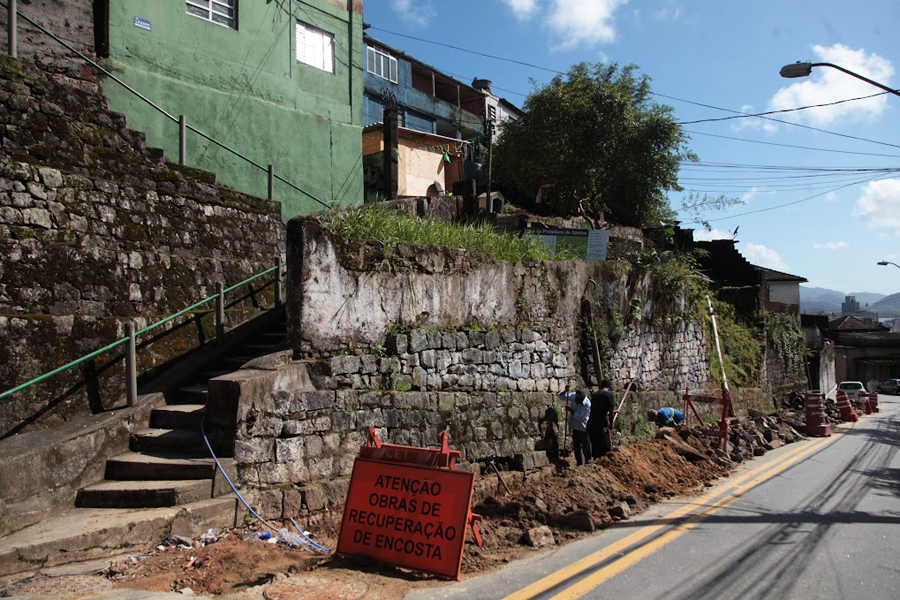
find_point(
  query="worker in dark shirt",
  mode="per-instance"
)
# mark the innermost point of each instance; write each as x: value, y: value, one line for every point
x: 665, y: 417
x: 603, y: 407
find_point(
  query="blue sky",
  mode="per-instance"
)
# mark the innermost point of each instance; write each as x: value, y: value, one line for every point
x: 724, y: 54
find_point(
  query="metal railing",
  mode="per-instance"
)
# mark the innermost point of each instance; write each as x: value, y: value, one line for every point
x: 131, y: 335
x: 183, y: 126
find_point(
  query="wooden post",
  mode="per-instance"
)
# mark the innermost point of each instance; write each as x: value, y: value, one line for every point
x: 11, y: 24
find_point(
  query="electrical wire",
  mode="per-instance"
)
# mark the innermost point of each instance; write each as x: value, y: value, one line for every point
x: 770, y: 208
x: 784, y: 110
x: 658, y: 94
x: 747, y: 140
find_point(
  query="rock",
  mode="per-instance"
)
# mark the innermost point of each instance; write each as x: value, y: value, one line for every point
x: 538, y: 537
x: 580, y: 520
x: 630, y: 499
x: 620, y: 511
x: 540, y: 505
x: 755, y: 413
x: 759, y: 451
x: 651, y: 488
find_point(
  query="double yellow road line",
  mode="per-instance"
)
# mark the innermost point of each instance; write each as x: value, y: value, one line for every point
x: 737, y: 486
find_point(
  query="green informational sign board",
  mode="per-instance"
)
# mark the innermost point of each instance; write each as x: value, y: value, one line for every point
x: 588, y: 244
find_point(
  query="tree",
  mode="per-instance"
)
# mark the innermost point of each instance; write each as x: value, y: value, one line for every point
x: 596, y: 135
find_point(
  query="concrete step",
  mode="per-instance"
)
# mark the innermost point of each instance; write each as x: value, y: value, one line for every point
x: 141, y: 466
x: 144, y: 494
x: 175, y: 441
x: 84, y: 534
x: 178, y: 416
x: 236, y: 362
x: 194, y: 393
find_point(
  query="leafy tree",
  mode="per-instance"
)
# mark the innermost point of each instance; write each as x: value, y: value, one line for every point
x: 596, y: 135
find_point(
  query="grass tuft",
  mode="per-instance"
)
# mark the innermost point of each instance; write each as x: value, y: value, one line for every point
x: 388, y: 227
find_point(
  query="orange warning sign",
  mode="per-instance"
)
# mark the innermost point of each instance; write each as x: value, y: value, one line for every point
x: 407, y: 515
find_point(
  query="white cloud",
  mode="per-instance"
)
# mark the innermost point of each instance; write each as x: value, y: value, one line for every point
x: 830, y: 197
x: 830, y: 246
x: 588, y: 22
x: 762, y: 256
x: 712, y: 234
x: 417, y: 12
x: 827, y: 84
x: 672, y: 12
x: 523, y: 9
x: 879, y: 205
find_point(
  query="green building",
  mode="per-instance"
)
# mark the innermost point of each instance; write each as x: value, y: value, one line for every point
x: 279, y: 81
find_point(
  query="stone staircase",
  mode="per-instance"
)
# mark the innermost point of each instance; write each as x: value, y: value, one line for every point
x: 169, y: 463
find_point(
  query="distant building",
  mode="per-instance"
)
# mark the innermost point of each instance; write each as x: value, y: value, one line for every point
x: 427, y: 99
x: 849, y: 306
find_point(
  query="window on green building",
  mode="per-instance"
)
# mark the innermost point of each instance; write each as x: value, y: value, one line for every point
x: 315, y: 47
x: 381, y: 64
x: 222, y: 12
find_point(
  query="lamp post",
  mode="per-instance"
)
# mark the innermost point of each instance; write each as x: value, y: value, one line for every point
x: 885, y: 263
x: 803, y: 69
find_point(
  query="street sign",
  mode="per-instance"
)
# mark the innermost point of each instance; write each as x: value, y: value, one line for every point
x: 407, y: 515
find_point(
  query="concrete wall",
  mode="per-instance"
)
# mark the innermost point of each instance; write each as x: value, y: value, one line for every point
x: 95, y: 229
x: 246, y: 89
x: 442, y: 339
x: 785, y: 293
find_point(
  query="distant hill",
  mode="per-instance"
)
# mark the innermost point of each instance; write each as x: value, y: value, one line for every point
x: 888, y: 305
x: 867, y: 298
x: 816, y: 299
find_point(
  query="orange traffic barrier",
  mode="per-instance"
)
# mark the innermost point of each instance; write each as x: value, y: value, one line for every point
x: 847, y: 412
x: 816, y: 421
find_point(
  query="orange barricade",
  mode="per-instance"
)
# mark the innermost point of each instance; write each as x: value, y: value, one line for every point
x: 409, y: 507
x: 842, y: 400
x: 724, y: 401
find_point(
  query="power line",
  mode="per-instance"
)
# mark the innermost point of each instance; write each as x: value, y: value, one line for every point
x: 701, y: 104
x: 738, y: 139
x: 784, y: 110
x: 752, y: 212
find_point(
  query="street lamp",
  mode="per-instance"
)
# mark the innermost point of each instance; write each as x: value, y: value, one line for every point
x: 885, y: 263
x: 803, y: 69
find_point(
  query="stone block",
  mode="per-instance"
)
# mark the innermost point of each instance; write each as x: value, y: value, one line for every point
x: 418, y: 341
x: 397, y: 344
x: 292, y: 504
x: 579, y: 520
x: 347, y: 364
x: 255, y: 450
x: 538, y: 537
x: 428, y: 359
x: 313, y: 497
x: 291, y: 449
x: 620, y: 511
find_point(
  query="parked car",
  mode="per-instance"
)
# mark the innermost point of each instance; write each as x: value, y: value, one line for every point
x: 853, y: 388
x: 889, y: 386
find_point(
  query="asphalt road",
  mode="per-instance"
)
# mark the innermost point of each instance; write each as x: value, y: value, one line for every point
x: 816, y: 519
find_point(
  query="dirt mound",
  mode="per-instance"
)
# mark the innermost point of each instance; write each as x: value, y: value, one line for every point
x: 233, y: 563
x: 561, y: 504
x: 576, y: 501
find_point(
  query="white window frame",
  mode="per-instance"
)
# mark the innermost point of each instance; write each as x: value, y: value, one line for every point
x: 315, y: 47
x: 376, y: 59
x: 216, y: 11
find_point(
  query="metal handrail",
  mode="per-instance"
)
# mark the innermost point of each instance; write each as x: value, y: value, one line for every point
x: 132, y: 383
x: 180, y: 120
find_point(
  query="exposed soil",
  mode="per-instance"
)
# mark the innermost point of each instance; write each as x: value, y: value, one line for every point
x: 570, y: 501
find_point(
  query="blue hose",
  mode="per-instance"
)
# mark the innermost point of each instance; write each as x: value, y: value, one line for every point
x: 311, y: 543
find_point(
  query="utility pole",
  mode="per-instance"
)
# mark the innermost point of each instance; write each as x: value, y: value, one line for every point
x: 391, y: 158
x: 489, y: 128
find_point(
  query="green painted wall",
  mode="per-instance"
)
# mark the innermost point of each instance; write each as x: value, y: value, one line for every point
x: 246, y: 89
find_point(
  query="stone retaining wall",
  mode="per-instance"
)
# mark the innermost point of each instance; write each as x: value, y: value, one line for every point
x: 97, y: 229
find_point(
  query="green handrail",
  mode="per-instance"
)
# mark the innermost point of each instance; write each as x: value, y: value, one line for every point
x: 117, y: 343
